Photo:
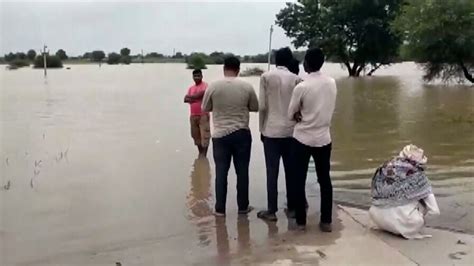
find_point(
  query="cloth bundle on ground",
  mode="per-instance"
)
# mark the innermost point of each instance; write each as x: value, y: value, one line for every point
x: 402, y: 194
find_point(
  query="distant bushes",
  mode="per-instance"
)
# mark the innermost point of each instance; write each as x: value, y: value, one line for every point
x: 52, y: 61
x: 113, y: 59
x: 17, y: 63
x: 125, y: 59
x: 122, y: 58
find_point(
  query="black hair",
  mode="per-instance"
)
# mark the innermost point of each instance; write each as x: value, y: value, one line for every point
x: 197, y: 71
x: 232, y: 63
x: 314, y: 59
x: 294, y: 66
x: 283, y: 57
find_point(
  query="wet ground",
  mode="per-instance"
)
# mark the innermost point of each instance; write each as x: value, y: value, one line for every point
x: 100, y: 160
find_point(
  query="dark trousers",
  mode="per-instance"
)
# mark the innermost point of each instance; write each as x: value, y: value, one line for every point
x: 236, y: 147
x: 274, y: 149
x: 322, y: 158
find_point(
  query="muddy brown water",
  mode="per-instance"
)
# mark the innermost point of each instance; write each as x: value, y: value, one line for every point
x: 100, y: 160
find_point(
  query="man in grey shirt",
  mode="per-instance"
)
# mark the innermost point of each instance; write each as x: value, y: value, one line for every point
x: 276, y: 88
x: 230, y: 100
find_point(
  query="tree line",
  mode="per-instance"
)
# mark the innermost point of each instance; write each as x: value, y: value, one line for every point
x: 365, y: 35
x: 21, y: 59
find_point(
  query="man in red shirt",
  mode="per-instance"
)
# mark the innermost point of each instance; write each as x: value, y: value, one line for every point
x: 200, y: 128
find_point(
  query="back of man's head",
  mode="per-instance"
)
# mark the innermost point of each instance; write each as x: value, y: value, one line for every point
x: 232, y: 63
x: 283, y: 57
x: 314, y: 59
x: 294, y: 67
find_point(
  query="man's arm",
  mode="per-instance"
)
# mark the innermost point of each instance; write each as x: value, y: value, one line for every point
x: 195, y: 97
x: 262, y: 101
x: 262, y: 104
x: 295, y: 104
x: 187, y: 99
x: 253, y: 101
x: 207, y: 100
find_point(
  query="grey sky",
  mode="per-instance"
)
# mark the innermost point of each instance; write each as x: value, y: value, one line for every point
x: 160, y: 26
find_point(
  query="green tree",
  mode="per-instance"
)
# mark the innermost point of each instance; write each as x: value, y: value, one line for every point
x: 196, y: 61
x: 97, y: 56
x: 20, y: 55
x: 17, y: 63
x: 62, y: 54
x: 113, y: 59
x: 178, y: 55
x: 52, y: 61
x: 10, y: 57
x: 31, y: 54
x: 125, y: 52
x: 439, y: 34
x: 354, y: 32
x: 125, y: 60
x: 87, y: 55
x: 154, y: 55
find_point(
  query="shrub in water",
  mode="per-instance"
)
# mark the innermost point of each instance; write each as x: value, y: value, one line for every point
x: 52, y: 61
x: 113, y: 59
x: 196, y: 62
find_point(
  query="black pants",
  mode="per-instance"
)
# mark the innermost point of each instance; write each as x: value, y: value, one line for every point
x: 322, y: 158
x: 236, y: 146
x: 276, y: 148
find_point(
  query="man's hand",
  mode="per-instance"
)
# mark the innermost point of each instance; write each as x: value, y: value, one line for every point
x: 188, y: 99
x: 297, y: 117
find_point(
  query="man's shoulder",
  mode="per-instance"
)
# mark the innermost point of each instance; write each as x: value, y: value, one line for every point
x: 243, y: 83
x: 320, y: 80
x: 303, y: 84
x: 218, y: 82
x: 327, y: 78
x: 279, y: 73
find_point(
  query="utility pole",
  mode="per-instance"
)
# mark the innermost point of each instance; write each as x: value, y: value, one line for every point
x: 270, y: 47
x: 142, y: 57
x: 45, y: 60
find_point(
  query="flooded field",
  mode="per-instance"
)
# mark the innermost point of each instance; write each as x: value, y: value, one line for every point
x: 95, y: 161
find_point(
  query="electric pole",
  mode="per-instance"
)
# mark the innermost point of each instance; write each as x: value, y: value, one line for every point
x: 270, y: 47
x: 45, y: 60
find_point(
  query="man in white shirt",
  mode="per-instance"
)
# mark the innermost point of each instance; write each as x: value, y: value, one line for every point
x: 230, y: 100
x: 312, y: 106
x: 276, y: 88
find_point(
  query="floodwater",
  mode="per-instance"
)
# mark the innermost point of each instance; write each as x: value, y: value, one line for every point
x: 98, y: 163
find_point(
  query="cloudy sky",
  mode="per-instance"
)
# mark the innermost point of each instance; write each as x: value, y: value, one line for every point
x: 160, y: 26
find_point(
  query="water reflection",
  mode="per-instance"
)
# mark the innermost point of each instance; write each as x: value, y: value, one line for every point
x: 243, y: 234
x: 223, y: 241
x: 273, y: 228
x: 200, y: 212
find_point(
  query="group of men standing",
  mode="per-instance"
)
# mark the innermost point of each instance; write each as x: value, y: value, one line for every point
x: 295, y: 118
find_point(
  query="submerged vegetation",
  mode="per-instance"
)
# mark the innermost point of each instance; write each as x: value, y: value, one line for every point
x: 252, y: 71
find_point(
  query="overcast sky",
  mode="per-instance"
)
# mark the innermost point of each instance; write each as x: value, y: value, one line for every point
x: 155, y: 26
